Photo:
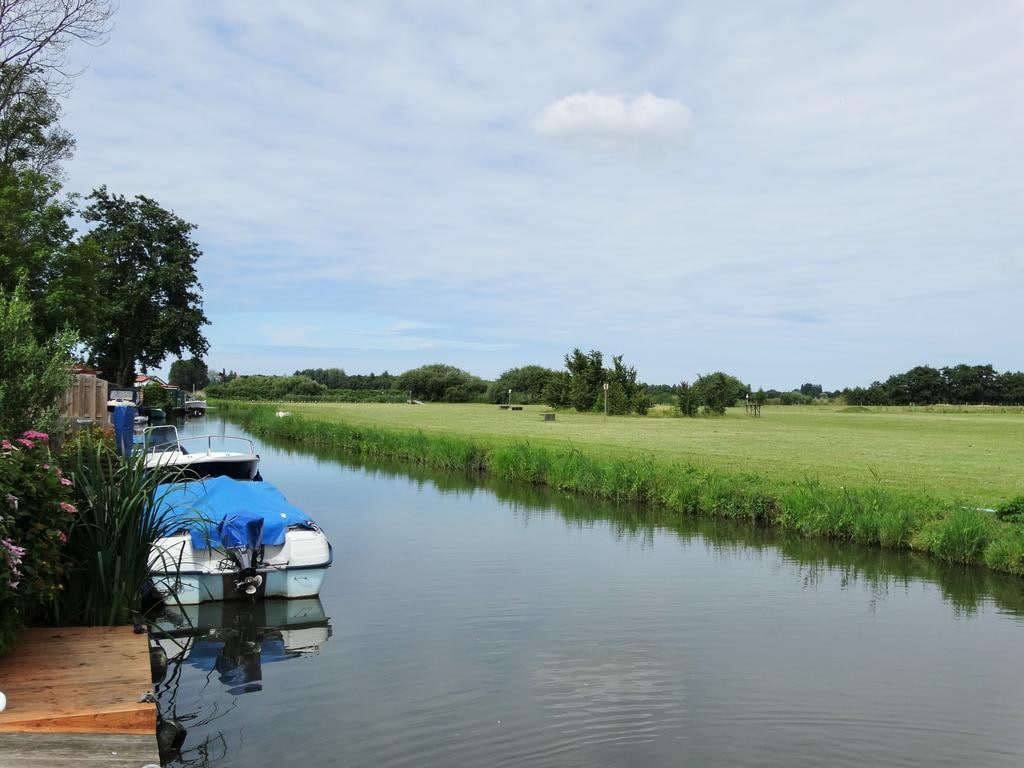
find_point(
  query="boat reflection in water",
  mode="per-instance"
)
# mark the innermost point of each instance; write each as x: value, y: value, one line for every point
x: 229, y: 643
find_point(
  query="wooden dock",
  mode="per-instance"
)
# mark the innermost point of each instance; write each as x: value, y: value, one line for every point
x: 74, y: 699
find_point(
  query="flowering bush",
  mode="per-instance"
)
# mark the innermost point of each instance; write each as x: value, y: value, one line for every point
x: 35, y: 512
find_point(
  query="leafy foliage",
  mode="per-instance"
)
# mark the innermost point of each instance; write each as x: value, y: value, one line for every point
x: 266, y: 388
x: 35, y: 516
x: 336, y: 378
x: 442, y: 383
x: 189, y: 374
x: 155, y: 396
x: 959, y: 384
x: 33, y: 373
x: 110, y: 539
x: 147, y: 268
x: 689, y: 403
x: 582, y: 385
x: 718, y: 391
x: 528, y: 385
x: 1012, y: 511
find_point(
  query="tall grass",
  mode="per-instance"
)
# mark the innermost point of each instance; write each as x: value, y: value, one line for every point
x: 872, y: 515
x: 111, y: 537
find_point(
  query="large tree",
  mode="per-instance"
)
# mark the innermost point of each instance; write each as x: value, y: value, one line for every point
x: 189, y: 374
x: 149, y: 300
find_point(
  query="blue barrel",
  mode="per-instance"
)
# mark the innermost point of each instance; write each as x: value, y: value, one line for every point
x: 124, y: 428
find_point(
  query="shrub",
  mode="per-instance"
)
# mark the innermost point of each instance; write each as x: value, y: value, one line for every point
x: 33, y: 373
x: 718, y: 391
x: 1012, y: 511
x: 35, y: 516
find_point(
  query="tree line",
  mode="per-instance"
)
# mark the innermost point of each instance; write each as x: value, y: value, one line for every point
x: 957, y: 384
x: 580, y: 386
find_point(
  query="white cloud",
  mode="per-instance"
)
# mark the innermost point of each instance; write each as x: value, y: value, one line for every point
x: 646, y: 120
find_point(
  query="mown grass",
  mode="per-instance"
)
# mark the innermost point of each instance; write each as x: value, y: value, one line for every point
x: 975, y: 455
x: 873, y: 513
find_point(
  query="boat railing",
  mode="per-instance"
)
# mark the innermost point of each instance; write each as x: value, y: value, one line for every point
x: 206, y: 444
x: 165, y: 438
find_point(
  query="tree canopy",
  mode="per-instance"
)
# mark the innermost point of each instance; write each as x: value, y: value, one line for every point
x: 441, y: 383
x: 527, y: 383
x: 581, y: 386
x: 151, y: 305
x: 189, y: 374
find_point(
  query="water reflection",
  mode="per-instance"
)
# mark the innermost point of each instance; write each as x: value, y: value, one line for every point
x: 217, y: 651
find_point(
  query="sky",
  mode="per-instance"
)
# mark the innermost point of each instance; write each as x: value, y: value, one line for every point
x: 788, y: 191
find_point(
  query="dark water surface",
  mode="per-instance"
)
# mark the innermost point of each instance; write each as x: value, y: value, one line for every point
x: 489, y: 626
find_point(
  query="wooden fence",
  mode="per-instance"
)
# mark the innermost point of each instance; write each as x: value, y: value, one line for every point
x: 86, y: 399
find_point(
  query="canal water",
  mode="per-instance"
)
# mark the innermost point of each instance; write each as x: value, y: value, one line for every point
x: 469, y: 625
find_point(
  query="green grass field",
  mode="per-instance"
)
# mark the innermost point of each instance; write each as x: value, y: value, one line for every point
x: 974, y: 454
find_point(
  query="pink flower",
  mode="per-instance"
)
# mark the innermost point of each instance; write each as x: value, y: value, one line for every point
x: 62, y: 537
x: 6, y: 445
x: 33, y: 435
x: 14, y: 551
x: 71, y: 509
x: 26, y: 442
x: 65, y: 481
x: 46, y: 467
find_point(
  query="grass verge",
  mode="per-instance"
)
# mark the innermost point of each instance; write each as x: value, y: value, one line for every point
x: 947, y: 529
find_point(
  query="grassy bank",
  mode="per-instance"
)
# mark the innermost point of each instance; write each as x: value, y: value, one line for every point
x: 976, y: 455
x: 871, y: 513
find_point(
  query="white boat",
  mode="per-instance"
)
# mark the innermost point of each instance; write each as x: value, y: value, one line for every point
x: 228, y: 539
x: 195, y: 407
x: 201, y: 455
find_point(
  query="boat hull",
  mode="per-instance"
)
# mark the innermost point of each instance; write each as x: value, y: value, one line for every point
x: 189, y: 576
x: 200, y: 466
x: 196, y: 588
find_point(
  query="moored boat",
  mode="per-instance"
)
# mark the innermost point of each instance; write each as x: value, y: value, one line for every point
x: 194, y: 407
x: 231, y: 539
x: 200, y: 455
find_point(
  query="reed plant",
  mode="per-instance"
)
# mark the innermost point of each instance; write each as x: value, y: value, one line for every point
x: 873, y: 514
x: 110, y: 540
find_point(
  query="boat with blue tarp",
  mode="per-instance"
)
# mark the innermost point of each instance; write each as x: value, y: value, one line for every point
x: 229, y: 539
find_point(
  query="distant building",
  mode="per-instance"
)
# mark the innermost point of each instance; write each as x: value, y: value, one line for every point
x: 143, y: 380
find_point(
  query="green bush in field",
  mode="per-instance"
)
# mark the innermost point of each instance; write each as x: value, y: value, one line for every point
x: 718, y: 391
x: 689, y: 403
x: 1012, y: 511
x: 441, y: 384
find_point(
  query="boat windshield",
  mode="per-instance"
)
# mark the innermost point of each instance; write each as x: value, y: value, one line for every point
x: 159, y: 439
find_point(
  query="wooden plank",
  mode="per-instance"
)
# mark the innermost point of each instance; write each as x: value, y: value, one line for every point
x: 77, y: 750
x: 79, y: 679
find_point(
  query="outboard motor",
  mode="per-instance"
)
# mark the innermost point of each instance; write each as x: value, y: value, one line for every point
x: 241, y: 535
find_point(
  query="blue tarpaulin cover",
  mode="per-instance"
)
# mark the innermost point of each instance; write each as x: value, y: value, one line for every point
x: 200, y: 506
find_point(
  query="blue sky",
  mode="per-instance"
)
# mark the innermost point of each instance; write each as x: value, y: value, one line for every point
x: 788, y: 191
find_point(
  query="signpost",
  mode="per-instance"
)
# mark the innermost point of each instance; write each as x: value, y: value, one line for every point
x: 605, y: 387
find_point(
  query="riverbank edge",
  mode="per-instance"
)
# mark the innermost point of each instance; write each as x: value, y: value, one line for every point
x: 873, y: 515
